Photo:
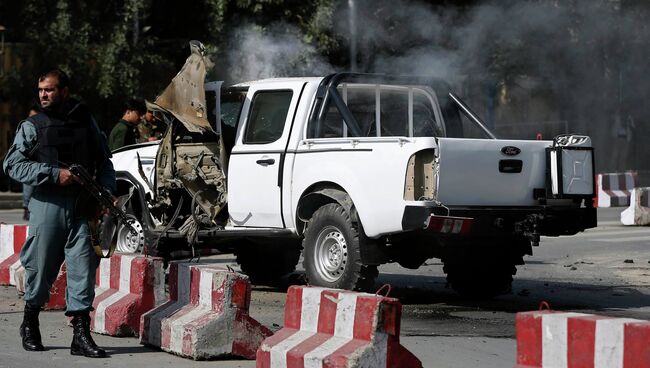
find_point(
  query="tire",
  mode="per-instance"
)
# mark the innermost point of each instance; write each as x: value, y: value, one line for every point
x: 332, y: 251
x: 128, y: 242
x: 480, y: 280
x: 267, y: 263
x: 482, y: 267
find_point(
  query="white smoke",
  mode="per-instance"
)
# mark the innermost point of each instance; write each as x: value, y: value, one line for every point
x: 274, y: 51
x: 587, y: 59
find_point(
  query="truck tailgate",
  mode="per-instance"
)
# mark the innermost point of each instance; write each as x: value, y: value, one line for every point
x: 478, y: 172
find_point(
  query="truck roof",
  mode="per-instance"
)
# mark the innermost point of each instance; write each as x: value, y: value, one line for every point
x: 271, y: 80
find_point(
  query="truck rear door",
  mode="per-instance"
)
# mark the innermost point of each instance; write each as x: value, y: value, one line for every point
x: 490, y: 172
x: 256, y: 161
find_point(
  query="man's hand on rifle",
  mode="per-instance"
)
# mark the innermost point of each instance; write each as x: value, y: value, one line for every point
x: 106, y: 210
x: 66, y: 177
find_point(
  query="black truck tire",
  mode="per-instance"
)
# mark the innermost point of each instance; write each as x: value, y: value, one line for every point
x: 332, y: 251
x: 480, y: 279
x: 266, y: 263
x: 482, y: 267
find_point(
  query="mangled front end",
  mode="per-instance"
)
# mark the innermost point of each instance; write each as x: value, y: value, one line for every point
x: 190, y: 184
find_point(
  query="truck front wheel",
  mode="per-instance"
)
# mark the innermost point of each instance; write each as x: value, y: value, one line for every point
x: 332, y: 251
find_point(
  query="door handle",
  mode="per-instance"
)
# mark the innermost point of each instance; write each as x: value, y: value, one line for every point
x: 268, y: 161
x: 510, y: 166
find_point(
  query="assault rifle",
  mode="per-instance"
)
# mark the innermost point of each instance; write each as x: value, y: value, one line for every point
x: 105, y: 199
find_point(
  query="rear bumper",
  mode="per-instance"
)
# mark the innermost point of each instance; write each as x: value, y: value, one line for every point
x: 553, y: 221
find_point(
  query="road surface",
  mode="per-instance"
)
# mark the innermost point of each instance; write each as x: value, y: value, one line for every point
x: 604, y: 271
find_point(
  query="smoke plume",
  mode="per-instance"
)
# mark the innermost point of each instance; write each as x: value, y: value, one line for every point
x: 527, y: 66
x: 274, y: 51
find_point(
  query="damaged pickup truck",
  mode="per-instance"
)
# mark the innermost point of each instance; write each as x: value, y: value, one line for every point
x: 352, y: 170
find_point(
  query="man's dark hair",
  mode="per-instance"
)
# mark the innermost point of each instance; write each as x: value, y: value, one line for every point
x: 60, y: 75
x: 135, y: 105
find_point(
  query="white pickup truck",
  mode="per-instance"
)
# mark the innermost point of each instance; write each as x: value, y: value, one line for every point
x: 354, y: 171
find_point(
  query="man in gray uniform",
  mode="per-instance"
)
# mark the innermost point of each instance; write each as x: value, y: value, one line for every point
x: 63, y: 133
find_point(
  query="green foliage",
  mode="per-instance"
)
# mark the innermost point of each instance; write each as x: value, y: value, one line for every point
x: 115, y: 50
x: 313, y: 18
x: 95, y: 42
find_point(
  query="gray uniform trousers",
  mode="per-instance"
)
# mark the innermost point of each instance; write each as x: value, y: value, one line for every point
x: 55, y: 235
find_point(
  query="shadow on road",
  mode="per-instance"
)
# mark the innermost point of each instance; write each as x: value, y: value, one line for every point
x: 120, y: 350
x: 526, y: 295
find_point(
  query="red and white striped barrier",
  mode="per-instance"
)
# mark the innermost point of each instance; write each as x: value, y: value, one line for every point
x: 614, y: 189
x: 127, y: 287
x: 57, y: 291
x: 577, y: 340
x: 337, y: 328
x: 639, y: 211
x: 206, y: 316
x: 12, y: 238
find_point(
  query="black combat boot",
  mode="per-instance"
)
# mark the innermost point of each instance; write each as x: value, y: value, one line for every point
x: 29, y: 329
x: 82, y: 341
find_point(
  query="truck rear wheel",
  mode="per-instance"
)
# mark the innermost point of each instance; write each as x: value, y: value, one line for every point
x: 267, y: 263
x: 482, y: 266
x: 480, y: 279
x: 332, y: 251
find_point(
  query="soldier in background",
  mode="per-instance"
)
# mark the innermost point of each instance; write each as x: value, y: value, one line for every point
x: 151, y: 128
x: 125, y: 132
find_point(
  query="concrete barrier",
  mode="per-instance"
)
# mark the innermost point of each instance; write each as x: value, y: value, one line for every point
x: 614, y: 189
x: 127, y: 287
x: 572, y: 340
x: 12, y: 272
x: 337, y: 328
x: 12, y: 238
x: 639, y: 211
x: 57, y: 291
x: 206, y: 316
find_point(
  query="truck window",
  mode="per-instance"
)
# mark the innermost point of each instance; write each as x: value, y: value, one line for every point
x: 333, y: 126
x: 361, y: 103
x: 394, y: 113
x: 396, y: 120
x: 232, y: 102
x: 406, y: 111
x: 425, y: 123
x: 267, y: 116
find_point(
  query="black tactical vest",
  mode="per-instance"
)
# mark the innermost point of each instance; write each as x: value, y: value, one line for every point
x: 63, y: 141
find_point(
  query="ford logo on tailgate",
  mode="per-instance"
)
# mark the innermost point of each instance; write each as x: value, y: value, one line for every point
x: 510, y: 151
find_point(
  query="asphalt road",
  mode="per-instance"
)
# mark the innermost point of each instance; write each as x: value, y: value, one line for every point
x: 604, y: 271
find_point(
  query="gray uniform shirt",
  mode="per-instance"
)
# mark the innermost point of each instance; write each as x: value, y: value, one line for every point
x: 19, y: 165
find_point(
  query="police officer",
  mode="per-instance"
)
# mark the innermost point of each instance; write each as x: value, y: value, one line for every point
x: 62, y: 133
